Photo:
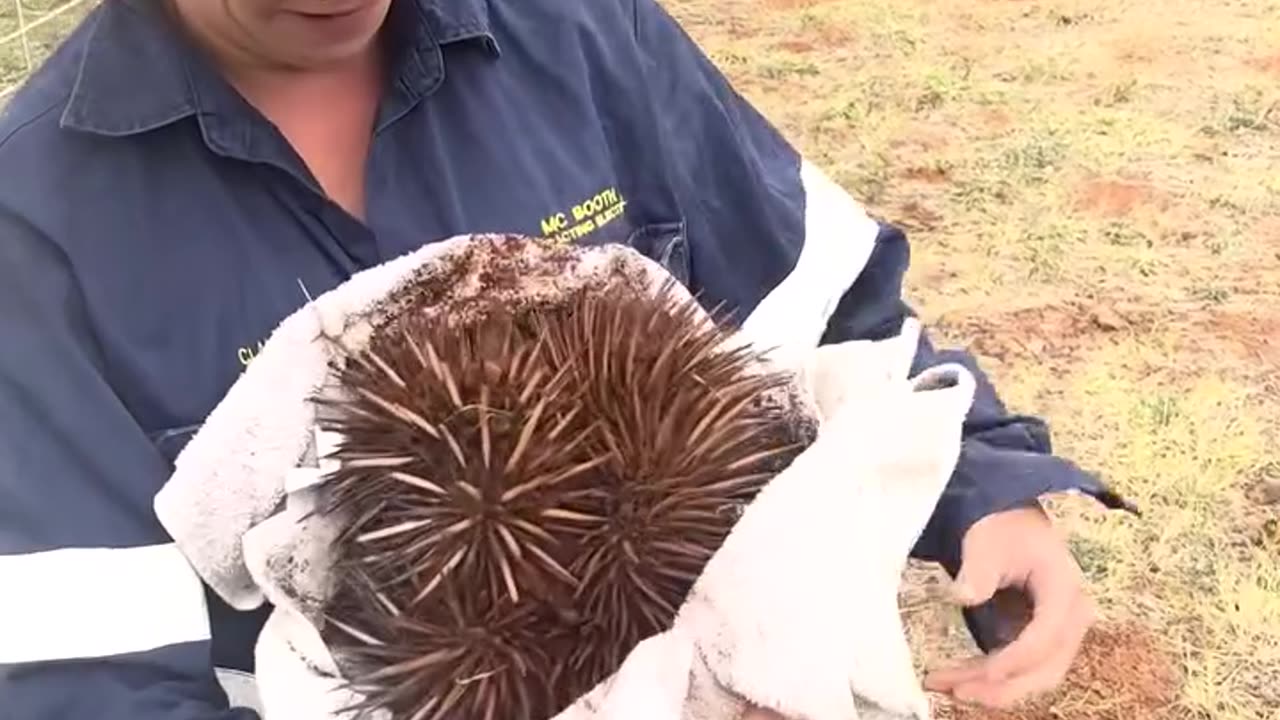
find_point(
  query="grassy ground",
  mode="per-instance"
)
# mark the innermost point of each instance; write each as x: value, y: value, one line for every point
x: 44, y: 21
x: 1093, y: 190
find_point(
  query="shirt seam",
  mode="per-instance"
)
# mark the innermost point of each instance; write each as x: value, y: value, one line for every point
x: 37, y: 117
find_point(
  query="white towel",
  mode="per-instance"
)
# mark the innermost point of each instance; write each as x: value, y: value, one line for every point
x: 796, y: 612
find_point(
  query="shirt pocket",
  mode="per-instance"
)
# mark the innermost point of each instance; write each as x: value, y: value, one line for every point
x: 665, y: 243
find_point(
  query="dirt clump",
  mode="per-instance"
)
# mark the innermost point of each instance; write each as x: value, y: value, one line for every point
x: 1122, y: 673
x: 1265, y: 490
x: 915, y: 215
x: 931, y: 174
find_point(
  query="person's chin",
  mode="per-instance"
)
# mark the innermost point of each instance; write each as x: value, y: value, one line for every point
x: 333, y: 34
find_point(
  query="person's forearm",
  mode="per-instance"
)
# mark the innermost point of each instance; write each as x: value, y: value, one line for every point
x: 1006, y: 460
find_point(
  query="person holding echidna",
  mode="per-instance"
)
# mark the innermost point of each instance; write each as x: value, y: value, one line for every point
x: 182, y: 175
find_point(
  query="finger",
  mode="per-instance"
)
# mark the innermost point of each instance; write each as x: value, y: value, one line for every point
x: 1037, y: 639
x: 1007, y: 692
x: 1056, y: 620
x: 946, y: 679
x: 979, y: 577
x: 1012, y: 612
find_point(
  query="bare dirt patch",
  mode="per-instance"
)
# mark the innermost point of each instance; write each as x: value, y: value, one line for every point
x: 1140, y: 52
x: 1113, y: 197
x: 1122, y: 673
x: 799, y: 47
x: 1246, y: 339
x: 994, y: 118
x: 1267, y: 232
x: 1047, y: 333
x: 1268, y: 64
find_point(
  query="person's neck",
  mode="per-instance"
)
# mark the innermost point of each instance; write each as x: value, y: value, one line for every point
x: 358, y: 77
x: 327, y: 114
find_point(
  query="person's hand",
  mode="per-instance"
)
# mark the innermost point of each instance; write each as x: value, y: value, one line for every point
x: 1017, y: 559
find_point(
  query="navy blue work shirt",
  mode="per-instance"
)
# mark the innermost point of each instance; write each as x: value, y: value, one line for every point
x: 154, y: 229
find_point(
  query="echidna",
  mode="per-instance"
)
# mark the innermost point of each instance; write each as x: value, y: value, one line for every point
x: 529, y: 491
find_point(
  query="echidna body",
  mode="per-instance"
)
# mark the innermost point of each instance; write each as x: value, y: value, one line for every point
x: 530, y: 490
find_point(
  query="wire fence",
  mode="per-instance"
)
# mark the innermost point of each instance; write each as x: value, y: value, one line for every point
x: 29, y: 31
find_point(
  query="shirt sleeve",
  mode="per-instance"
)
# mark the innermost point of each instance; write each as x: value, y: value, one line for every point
x: 769, y: 231
x: 100, y: 615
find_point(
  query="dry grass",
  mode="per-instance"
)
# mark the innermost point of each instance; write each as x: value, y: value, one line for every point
x: 1093, y: 192
x: 29, y: 30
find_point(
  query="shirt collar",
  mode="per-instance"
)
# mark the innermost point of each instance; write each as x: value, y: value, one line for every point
x: 137, y: 74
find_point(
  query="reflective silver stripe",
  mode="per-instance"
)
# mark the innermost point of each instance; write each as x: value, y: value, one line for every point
x: 241, y: 689
x: 838, y: 239
x: 96, y: 602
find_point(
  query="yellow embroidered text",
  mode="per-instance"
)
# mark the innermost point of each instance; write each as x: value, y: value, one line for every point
x: 247, y: 353
x: 585, y: 217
